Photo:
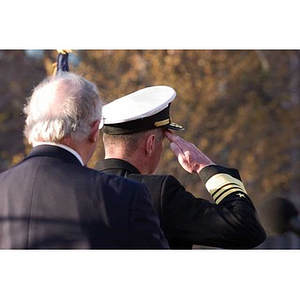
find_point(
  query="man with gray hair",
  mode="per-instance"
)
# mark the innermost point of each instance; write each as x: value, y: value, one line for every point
x: 51, y: 199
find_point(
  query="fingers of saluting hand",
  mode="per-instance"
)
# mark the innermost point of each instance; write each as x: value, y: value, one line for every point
x: 181, y: 143
x: 182, y: 159
x: 188, y: 155
x: 181, y: 149
x: 169, y: 135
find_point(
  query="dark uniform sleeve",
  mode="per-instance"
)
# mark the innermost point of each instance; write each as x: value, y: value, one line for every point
x: 230, y: 222
x: 145, y: 230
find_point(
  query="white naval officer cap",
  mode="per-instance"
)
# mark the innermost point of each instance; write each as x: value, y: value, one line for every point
x: 142, y: 110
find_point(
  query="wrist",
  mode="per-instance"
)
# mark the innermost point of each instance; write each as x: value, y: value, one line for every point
x: 202, y: 166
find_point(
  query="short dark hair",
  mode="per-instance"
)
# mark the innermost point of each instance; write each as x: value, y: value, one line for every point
x: 129, y: 141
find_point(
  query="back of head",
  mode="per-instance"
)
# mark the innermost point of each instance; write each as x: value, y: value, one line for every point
x: 126, y: 141
x: 62, y: 106
x: 129, y: 143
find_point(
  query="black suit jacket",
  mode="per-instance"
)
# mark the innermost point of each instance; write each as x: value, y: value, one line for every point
x: 187, y: 220
x: 51, y: 201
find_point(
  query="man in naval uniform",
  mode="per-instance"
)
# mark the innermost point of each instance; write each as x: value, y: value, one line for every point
x: 134, y: 129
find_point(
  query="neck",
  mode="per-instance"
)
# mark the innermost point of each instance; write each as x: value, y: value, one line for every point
x: 82, y: 148
x: 137, y: 160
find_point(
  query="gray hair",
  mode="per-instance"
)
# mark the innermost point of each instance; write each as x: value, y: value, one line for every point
x: 60, y: 106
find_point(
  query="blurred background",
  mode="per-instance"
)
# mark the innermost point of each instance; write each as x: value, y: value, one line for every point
x: 240, y: 107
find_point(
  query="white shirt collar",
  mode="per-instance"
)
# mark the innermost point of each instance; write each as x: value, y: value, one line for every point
x: 61, y: 146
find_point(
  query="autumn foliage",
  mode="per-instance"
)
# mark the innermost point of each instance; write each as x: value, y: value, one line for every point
x: 240, y: 107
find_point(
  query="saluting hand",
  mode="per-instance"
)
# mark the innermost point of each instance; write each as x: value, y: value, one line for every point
x: 188, y: 155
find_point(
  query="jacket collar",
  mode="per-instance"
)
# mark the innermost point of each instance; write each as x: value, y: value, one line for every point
x: 116, y: 163
x: 53, y: 151
x: 61, y: 146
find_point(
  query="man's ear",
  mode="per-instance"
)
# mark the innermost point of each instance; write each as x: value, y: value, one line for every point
x: 150, y: 143
x: 94, y: 131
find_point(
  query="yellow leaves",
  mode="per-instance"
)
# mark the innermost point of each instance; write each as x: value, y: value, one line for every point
x: 237, y: 113
x: 17, y: 158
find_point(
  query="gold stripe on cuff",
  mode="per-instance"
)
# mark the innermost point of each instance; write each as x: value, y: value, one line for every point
x: 220, y: 183
x: 218, y: 200
x: 225, y: 188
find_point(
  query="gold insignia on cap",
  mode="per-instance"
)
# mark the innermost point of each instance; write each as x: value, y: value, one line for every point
x: 162, y: 123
